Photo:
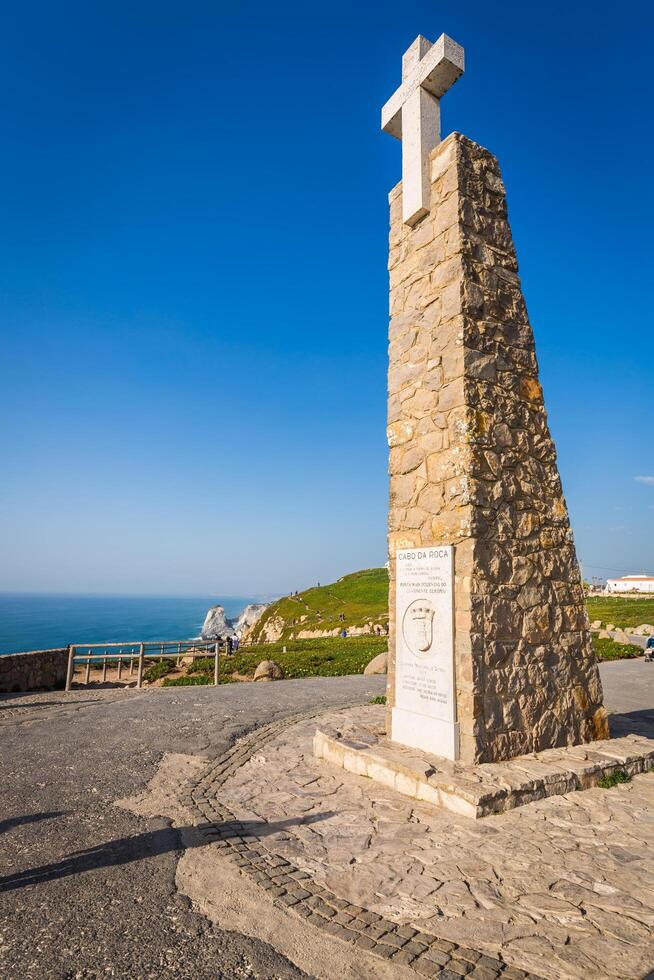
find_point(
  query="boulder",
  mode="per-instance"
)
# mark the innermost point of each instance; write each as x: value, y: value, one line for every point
x: 610, y: 627
x: 643, y: 630
x: 596, y: 624
x: 621, y: 637
x: 378, y: 665
x: 603, y: 635
x: 268, y: 670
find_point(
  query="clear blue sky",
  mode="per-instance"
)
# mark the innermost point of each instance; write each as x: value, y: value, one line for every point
x: 193, y: 287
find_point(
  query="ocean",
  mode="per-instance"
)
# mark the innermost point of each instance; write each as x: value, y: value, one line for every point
x: 38, y: 622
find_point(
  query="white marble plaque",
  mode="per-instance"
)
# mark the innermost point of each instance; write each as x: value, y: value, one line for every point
x: 424, y: 714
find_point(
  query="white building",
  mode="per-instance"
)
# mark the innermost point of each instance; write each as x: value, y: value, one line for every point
x: 631, y: 583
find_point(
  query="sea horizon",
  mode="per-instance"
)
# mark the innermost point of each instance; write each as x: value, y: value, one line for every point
x: 45, y: 620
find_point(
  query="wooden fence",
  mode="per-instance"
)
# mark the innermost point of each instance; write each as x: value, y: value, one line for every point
x: 131, y: 655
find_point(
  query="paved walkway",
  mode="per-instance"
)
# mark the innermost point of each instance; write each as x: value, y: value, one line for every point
x: 87, y: 888
x: 92, y: 889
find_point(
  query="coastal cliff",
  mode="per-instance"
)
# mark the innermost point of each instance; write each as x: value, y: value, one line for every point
x: 357, y: 603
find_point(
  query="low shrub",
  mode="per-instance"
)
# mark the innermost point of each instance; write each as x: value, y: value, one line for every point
x: 187, y: 680
x: 608, y: 649
x: 614, y: 779
x: 380, y: 699
x: 160, y: 669
x: 203, y: 665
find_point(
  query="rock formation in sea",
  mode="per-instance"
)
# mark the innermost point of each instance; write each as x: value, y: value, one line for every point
x: 216, y: 625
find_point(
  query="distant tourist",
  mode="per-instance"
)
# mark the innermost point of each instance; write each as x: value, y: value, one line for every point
x: 649, y: 650
x: 343, y: 634
x: 236, y: 642
x: 229, y: 644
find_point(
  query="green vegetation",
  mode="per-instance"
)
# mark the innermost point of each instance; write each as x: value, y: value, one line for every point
x: 359, y: 598
x: 187, y: 680
x: 202, y: 665
x: 326, y: 657
x: 610, y: 650
x: 620, y: 611
x: 614, y: 778
x: 380, y: 699
x: 160, y: 669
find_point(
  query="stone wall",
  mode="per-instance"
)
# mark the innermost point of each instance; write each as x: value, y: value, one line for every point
x: 33, y: 671
x: 472, y: 464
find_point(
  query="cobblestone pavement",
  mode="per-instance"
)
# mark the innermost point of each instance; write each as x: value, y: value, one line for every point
x: 563, y: 887
x: 297, y: 885
x: 88, y: 889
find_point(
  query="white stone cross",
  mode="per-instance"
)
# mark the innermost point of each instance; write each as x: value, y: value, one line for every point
x: 413, y: 115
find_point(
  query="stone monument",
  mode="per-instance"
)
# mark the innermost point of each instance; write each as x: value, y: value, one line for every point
x: 490, y: 654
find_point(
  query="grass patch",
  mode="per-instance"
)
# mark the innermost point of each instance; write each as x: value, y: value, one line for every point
x: 380, y: 699
x: 614, y: 779
x: 188, y: 680
x: 359, y: 598
x: 610, y: 650
x: 329, y: 657
x: 160, y: 669
x: 622, y: 612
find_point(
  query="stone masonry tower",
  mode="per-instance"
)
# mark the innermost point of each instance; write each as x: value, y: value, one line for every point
x: 473, y: 473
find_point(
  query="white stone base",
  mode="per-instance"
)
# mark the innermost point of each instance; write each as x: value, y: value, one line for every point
x: 432, y: 735
x: 359, y: 746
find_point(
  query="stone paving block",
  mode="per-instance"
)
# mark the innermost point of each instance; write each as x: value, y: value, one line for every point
x: 481, y: 973
x: 415, y: 948
x: 469, y: 955
x: 386, y: 952
x: 436, y: 955
x: 426, y: 968
x: 369, y: 917
x: 459, y: 967
x: 404, y: 957
x: 391, y: 938
x: 443, y: 944
x: 488, y: 963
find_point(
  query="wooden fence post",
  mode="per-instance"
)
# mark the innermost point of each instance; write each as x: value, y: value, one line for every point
x: 139, y: 676
x: 87, y: 676
x: 71, y: 667
x: 216, y: 666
